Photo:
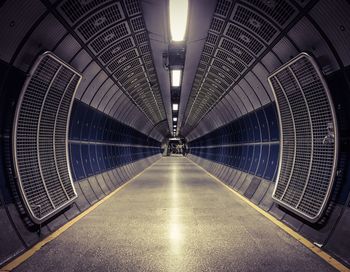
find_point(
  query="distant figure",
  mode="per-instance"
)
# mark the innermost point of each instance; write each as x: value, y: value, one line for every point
x: 184, y: 150
x: 179, y: 148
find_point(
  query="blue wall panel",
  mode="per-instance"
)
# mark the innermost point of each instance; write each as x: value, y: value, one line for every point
x: 76, y: 161
x: 272, y: 162
x: 249, y: 143
x: 99, y: 143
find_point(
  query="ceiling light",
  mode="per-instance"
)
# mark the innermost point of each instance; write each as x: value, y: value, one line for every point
x: 174, y: 127
x: 175, y: 107
x: 178, y: 19
x: 175, y: 78
x: 174, y: 119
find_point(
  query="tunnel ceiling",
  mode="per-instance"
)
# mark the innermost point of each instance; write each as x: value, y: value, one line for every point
x: 105, y: 40
x: 116, y: 36
x: 241, y: 32
x: 231, y: 48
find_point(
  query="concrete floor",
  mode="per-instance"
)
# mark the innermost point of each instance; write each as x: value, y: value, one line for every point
x: 174, y: 217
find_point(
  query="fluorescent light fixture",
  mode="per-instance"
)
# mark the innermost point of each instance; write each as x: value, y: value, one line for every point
x: 174, y: 119
x: 175, y: 107
x: 175, y: 78
x: 178, y: 10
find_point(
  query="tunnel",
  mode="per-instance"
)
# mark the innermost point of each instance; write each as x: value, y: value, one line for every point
x: 175, y: 135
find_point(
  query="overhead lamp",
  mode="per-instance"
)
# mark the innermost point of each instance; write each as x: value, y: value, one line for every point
x: 175, y: 78
x: 175, y: 107
x: 174, y: 127
x: 174, y: 119
x: 178, y: 11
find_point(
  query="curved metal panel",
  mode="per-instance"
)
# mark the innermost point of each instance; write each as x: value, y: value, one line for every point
x: 309, y: 138
x: 40, y: 137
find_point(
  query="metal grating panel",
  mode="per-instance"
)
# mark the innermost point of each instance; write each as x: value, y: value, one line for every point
x: 110, y: 36
x: 116, y: 49
x: 124, y: 69
x: 230, y: 60
x: 254, y: 23
x: 221, y: 75
x: 217, y: 25
x: 281, y: 11
x: 236, y: 50
x: 132, y: 7
x: 207, y: 49
x: 145, y: 49
x: 137, y: 24
x: 243, y: 37
x: 131, y: 75
x: 212, y: 38
x: 122, y: 60
x: 223, y: 7
x: 74, y: 10
x: 40, y: 137
x: 226, y: 68
x: 100, y: 21
x: 309, y: 143
x: 141, y: 37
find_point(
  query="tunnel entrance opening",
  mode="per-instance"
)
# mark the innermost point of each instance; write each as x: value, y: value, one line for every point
x: 177, y: 147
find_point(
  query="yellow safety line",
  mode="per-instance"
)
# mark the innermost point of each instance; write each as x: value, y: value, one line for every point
x: 329, y: 259
x: 30, y: 252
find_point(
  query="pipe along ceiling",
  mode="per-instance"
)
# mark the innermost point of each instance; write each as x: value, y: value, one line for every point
x: 262, y: 102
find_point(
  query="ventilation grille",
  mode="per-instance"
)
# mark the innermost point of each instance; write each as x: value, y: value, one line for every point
x: 279, y: 11
x: 117, y: 49
x: 100, y: 21
x: 308, y: 138
x: 40, y: 145
x: 230, y: 60
x: 217, y: 24
x: 110, y: 36
x: 74, y: 10
x: 243, y: 37
x: 223, y: 8
x: 132, y: 7
x: 122, y: 60
x: 254, y: 23
x: 116, y: 35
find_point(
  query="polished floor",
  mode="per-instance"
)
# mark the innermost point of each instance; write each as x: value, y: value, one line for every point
x: 174, y: 217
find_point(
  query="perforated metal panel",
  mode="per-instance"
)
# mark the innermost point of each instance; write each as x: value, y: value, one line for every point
x: 309, y: 143
x: 240, y: 35
x: 109, y: 37
x: 254, y: 22
x: 40, y: 137
x: 100, y: 20
x: 115, y: 33
x: 73, y: 10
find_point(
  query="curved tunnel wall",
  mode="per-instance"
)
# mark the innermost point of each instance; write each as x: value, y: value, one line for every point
x: 217, y: 143
x: 104, y: 154
x: 249, y: 144
x: 111, y: 138
x: 221, y: 144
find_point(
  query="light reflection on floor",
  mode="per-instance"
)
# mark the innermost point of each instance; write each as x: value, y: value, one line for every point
x: 176, y: 236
